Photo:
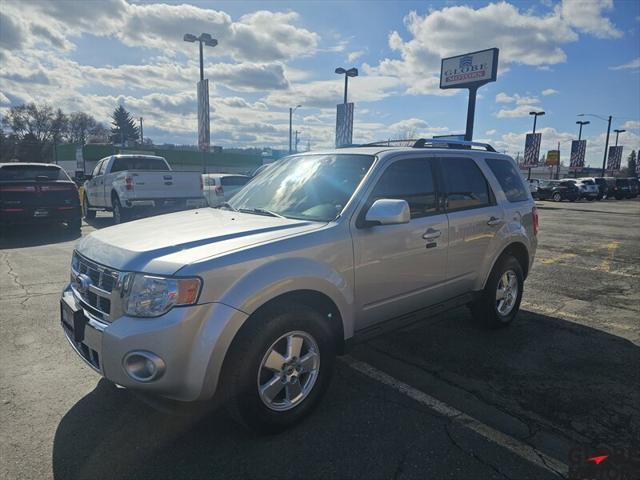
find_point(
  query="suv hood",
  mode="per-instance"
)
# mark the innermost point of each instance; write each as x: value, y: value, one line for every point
x: 163, y: 244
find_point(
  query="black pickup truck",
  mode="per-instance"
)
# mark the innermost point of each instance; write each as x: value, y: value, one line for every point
x: 38, y: 193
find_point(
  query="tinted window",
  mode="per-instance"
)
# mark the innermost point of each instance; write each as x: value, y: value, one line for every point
x: 509, y: 179
x: 32, y: 172
x: 103, y: 166
x: 410, y: 180
x: 622, y: 182
x: 234, y: 181
x: 466, y: 186
x: 139, y: 163
x: 96, y: 169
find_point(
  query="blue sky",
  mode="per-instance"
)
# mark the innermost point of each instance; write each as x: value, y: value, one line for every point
x: 564, y: 58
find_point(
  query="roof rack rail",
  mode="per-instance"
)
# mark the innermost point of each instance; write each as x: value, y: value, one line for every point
x: 431, y: 143
x: 438, y: 142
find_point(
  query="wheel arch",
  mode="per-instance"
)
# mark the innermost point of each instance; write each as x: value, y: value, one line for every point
x: 516, y: 249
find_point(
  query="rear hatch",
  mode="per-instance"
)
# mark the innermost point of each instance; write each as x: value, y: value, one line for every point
x: 38, y: 191
x: 589, y: 186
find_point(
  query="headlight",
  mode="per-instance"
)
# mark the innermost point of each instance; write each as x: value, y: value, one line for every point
x: 151, y: 296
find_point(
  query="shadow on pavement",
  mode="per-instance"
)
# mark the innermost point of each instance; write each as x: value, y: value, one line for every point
x: 20, y: 236
x: 100, y: 222
x: 581, y: 378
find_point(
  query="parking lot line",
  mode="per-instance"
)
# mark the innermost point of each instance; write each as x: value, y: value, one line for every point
x: 514, y: 445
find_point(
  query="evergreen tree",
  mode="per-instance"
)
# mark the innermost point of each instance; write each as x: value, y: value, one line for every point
x: 124, y: 128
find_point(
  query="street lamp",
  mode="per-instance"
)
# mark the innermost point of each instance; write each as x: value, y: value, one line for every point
x: 352, y: 72
x: 291, y: 110
x: 203, y: 39
x: 618, y: 132
x: 581, y: 123
x: 606, y: 143
x: 535, y: 119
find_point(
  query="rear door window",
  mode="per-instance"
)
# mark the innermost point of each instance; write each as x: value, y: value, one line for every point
x: 234, y: 181
x: 465, y: 184
x: 410, y: 180
x: 509, y: 179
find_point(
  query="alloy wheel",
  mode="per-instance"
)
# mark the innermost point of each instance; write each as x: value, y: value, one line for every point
x: 507, y: 292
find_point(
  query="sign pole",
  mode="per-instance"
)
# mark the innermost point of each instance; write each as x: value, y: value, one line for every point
x: 471, y: 111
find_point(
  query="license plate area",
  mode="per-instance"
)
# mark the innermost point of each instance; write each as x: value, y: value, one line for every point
x: 73, y: 320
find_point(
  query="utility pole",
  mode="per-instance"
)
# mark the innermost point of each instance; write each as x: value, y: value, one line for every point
x: 558, y: 169
x: 606, y: 147
x: 141, y: 133
x: 535, y: 119
x: 291, y: 110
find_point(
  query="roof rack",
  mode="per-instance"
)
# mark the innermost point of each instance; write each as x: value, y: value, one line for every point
x: 432, y: 143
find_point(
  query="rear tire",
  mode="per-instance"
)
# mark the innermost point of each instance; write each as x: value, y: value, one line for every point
x: 557, y: 197
x: 499, y: 302
x: 86, y: 213
x: 249, y: 369
x: 120, y: 215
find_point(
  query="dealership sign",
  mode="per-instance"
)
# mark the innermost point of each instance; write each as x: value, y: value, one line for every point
x: 203, y: 115
x: 470, y: 69
x: 344, y: 124
x: 532, y: 149
x: 578, y: 149
x: 615, y: 158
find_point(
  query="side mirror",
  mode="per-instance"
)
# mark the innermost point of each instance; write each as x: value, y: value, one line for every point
x: 388, y: 211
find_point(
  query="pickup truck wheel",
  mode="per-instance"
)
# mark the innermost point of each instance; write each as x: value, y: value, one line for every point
x: 279, y: 367
x: 557, y: 197
x: 499, y: 302
x: 119, y: 214
x: 86, y: 213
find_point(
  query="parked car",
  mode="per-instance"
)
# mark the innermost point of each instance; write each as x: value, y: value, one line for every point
x: 132, y: 185
x: 251, y: 302
x: 588, y: 188
x: 558, y: 190
x: 606, y: 187
x: 622, y: 188
x: 220, y: 187
x: 534, y: 183
x: 634, y: 186
x: 38, y: 193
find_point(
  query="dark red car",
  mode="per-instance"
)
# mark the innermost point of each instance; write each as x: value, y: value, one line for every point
x: 37, y: 193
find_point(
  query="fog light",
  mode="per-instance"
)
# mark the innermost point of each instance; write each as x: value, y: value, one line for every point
x: 143, y: 366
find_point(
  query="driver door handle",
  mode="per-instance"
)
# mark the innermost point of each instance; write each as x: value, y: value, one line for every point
x: 431, y: 234
x: 494, y: 221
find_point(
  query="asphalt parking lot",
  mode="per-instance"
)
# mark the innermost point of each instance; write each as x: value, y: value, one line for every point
x: 562, y: 382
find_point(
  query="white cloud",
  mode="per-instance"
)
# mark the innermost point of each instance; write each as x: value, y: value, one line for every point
x: 632, y: 124
x: 588, y: 17
x: 518, y: 99
x: 549, y: 91
x: 491, y: 132
x: 504, y: 98
x: 353, y: 56
x: 631, y: 65
x: 518, y: 111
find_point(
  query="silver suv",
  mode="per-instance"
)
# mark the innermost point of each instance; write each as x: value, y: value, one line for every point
x: 253, y: 300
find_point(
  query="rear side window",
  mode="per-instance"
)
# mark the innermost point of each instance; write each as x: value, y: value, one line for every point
x: 410, y: 180
x: 509, y: 179
x: 139, y: 163
x: 234, y: 181
x: 32, y: 172
x: 466, y: 186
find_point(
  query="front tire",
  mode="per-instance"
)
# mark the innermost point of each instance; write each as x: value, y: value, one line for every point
x: 279, y: 367
x: 557, y: 197
x: 500, y: 300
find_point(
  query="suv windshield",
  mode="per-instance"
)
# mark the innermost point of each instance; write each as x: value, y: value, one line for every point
x: 32, y: 172
x: 309, y: 187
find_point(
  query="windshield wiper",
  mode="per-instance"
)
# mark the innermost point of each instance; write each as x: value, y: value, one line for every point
x: 227, y: 206
x: 261, y: 211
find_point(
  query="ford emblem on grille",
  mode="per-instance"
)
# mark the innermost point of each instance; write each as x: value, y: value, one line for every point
x: 83, y: 282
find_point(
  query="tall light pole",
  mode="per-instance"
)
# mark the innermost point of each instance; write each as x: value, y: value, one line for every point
x: 618, y: 132
x: 535, y: 119
x: 291, y: 110
x: 203, y: 94
x: 352, y: 72
x: 296, y: 143
x: 141, y: 133
x: 606, y: 143
x: 581, y: 123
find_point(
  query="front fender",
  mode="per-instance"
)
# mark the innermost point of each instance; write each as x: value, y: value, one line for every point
x: 278, y: 277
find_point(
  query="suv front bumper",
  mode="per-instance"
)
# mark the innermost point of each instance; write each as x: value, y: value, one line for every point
x: 190, y: 341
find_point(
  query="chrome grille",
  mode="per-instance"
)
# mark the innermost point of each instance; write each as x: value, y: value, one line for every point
x: 97, y: 298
